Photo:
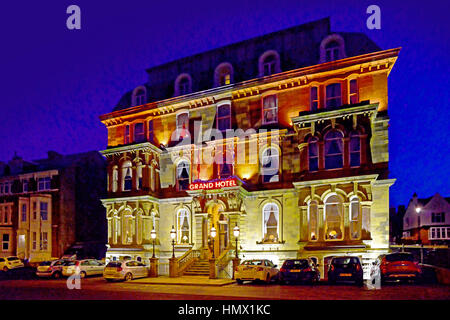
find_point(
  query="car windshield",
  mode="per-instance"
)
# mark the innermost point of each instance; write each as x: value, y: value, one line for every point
x: 45, y: 263
x: 345, y: 260
x: 399, y: 257
x: 12, y: 258
x: 114, y: 264
x: 298, y: 264
x: 253, y: 263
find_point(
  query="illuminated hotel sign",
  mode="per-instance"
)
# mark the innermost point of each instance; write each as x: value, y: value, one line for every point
x: 211, y: 185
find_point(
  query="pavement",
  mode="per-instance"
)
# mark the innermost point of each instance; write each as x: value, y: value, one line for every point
x: 185, y: 280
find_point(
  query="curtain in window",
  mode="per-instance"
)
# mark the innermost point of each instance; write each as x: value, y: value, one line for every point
x: 355, y: 218
x: 183, y: 226
x: 313, y: 222
x: 333, y: 218
x: 183, y: 175
x: 127, y: 176
x: 270, y: 109
x: 271, y: 218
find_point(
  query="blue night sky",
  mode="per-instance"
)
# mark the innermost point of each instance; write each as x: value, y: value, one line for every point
x: 55, y: 82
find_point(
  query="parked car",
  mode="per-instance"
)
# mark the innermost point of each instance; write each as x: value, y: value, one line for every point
x: 85, y: 250
x: 125, y: 270
x: 12, y: 262
x: 396, y: 266
x: 299, y: 270
x: 86, y: 267
x: 263, y: 270
x: 50, y: 269
x: 347, y: 268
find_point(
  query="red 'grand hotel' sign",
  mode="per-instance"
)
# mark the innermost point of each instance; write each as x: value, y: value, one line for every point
x: 231, y: 182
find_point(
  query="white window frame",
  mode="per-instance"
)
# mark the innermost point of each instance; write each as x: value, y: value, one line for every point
x: 182, y: 213
x: 310, y: 231
x: 6, y: 242
x: 274, y: 109
x: 355, y: 199
x: 277, y: 214
x: 341, y: 225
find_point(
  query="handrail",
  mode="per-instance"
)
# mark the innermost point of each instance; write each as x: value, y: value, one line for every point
x: 223, y: 261
x: 186, y: 260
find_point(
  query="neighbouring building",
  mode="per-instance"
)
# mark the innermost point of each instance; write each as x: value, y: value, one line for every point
x: 427, y: 221
x: 396, y: 224
x: 48, y: 204
x: 283, y: 135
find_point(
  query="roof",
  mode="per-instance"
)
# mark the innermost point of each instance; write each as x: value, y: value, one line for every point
x: 297, y: 46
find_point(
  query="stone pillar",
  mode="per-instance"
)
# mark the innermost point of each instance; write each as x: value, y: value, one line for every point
x: 153, y: 267
x: 212, y: 269
x: 173, y: 268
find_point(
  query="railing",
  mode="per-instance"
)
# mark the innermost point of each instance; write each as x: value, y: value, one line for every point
x: 186, y: 260
x: 224, y: 264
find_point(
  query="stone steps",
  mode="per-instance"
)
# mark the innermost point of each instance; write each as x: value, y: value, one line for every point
x: 199, y: 268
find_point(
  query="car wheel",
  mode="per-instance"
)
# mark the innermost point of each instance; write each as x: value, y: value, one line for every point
x: 56, y: 275
x: 239, y: 281
x: 82, y: 274
x: 128, y: 276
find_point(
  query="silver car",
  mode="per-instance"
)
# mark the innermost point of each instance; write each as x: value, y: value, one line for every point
x: 125, y: 270
x: 86, y: 267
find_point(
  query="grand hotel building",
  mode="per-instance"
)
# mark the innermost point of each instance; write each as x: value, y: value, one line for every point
x: 296, y: 123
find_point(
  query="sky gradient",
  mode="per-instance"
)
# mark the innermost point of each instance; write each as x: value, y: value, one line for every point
x: 56, y: 82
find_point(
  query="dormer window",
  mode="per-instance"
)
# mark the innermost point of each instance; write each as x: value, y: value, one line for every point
x: 270, y: 110
x: 269, y: 63
x: 332, y: 48
x: 183, y: 84
x: 139, y: 96
x: 223, y: 75
x: 332, y: 51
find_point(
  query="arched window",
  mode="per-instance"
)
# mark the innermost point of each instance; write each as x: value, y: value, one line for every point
x: 271, y: 219
x: 224, y: 117
x: 183, y: 226
x: 313, y: 221
x: 139, y: 135
x: 183, y: 84
x: 355, y: 149
x: 128, y: 229
x: 332, y: 48
x: 334, y: 149
x: 334, y: 95
x: 355, y: 218
x: 139, y: 96
x: 313, y: 154
x: 270, y: 165
x: 223, y: 75
x: 334, y: 218
x: 183, y: 175
x: 269, y: 63
x: 270, y: 109
x: 127, y: 176
x: 115, y: 179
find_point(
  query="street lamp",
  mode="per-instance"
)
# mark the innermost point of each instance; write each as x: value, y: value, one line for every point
x: 173, y: 234
x: 418, y: 209
x: 213, y: 235
x: 236, y: 235
x: 153, y: 235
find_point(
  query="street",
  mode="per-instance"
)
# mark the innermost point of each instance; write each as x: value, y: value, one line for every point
x: 97, y: 288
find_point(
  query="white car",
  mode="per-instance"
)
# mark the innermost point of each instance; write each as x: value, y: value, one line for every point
x: 10, y: 263
x: 125, y: 270
x: 263, y: 270
x: 86, y: 267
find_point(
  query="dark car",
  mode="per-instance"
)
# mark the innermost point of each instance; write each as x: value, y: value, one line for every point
x: 346, y: 268
x: 299, y: 270
x: 397, y: 266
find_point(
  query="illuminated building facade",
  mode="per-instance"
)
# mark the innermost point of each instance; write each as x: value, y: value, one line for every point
x: 284, y: 135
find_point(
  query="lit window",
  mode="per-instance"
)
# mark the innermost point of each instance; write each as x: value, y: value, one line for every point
x: 223, y: 75
x: 333, y: 218
x: 127, y: 134
x: 44, y: 210
x: 183, y: 175
x: 44, y: 183
x: 314, y: 98
x: 333, y: 150
x: 224, y: 117
x: 313, y: 221
x: 271, y: 217
x: 270, y: 165
x: 332, y: 51
x: 44, y: 241
x: 34, y: 238
x: 183, y: 226
x: 127, y: 176
x: 128, y: 229
x: 353, y: 91
x: 139, y: 135
x: 270, y: 109
x: 313, y: 154
x: 355, y: 149
x: 5, y: 242
x: 355, y: 218
x: 334, y: 95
